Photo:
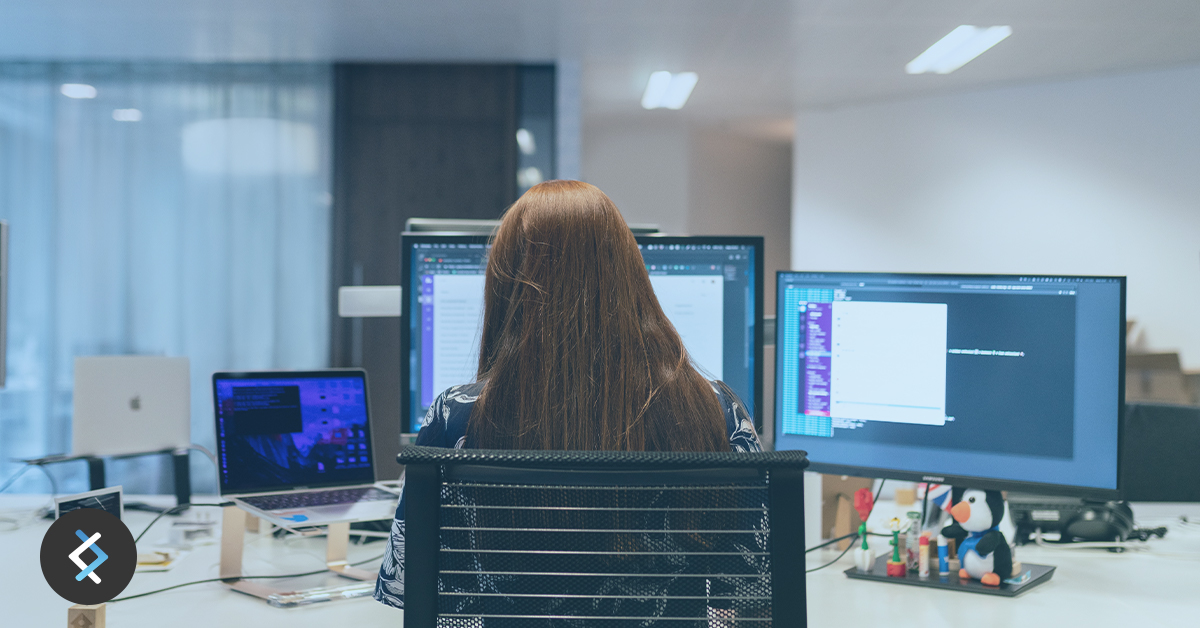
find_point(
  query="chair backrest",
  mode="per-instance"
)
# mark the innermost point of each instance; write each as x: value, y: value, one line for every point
x: 565, y: 538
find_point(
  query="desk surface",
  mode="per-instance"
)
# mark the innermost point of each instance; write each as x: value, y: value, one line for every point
x: 1157, y: 587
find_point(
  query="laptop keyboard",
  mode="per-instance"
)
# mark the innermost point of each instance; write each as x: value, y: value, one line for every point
x: 309, y: 499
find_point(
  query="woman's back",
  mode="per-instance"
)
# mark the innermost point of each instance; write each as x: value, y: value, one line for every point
x: 575, y: 352
x: 446, y: 424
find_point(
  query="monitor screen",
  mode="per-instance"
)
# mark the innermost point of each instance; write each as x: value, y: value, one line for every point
x: 284, y: 430
x: 710, y: 287
x: 106, y: 499
x: 1003, y: 382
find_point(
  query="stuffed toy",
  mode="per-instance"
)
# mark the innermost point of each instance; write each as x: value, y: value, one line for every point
x: 983, y: 552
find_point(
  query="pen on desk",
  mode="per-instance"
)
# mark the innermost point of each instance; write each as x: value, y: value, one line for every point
x: 943, y: 556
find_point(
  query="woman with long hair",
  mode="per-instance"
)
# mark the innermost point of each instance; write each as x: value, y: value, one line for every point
x: 576, y: 352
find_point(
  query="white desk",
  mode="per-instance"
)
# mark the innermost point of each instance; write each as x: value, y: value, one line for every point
x: 1092, y: 588
x: 27, y: 601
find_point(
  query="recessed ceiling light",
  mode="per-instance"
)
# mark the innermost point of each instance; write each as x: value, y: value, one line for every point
x: 127, y: 115
x: 668, y: 90
x: 957, y: 48
x: 77, y: 90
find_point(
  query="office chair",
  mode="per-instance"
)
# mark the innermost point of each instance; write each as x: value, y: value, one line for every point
x: 608, y: 539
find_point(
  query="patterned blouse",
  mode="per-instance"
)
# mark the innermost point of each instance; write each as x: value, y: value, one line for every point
x: 445, y: 425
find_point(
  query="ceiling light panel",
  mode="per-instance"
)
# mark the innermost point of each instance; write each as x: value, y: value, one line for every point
x: 957, y: 48
x: 669, y: 91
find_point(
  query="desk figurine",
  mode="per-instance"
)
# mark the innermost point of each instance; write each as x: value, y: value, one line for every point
x: 983, y: 552
x: 896, y: 566
x: 864, y: 556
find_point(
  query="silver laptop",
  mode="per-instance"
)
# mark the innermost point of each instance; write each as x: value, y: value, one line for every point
x: 126, y: 404
x: 295, y: 447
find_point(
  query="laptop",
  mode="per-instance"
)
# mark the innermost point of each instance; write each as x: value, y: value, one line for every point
x: 129, y: 404
x: 294, y: 448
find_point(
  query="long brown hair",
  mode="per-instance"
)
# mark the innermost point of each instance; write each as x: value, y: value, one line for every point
x: 576, y: 352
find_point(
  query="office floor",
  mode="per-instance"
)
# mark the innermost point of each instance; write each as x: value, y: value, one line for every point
x: 1094, y: 588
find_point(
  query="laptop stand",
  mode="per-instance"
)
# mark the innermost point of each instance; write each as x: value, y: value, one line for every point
x: 233, y: 535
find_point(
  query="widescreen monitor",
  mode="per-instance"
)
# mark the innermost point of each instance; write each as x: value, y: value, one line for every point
x: 1006, y: 382
x: 709, y: 286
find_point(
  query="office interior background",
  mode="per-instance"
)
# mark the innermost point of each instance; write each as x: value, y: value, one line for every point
x: 198, y: 179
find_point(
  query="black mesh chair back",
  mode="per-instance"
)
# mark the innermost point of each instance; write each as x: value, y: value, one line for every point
x: 500, y: 539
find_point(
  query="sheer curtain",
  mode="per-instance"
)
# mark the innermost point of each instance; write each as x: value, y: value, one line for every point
x: 181, y: 210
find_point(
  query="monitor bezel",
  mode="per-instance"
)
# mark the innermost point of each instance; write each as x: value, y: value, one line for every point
x: 333, y: 372
x: 1046, y: 488
x: 408, y: 238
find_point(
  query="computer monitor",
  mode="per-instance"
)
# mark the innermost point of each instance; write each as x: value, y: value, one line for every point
x: 709, y: 286
x: 984, y: 381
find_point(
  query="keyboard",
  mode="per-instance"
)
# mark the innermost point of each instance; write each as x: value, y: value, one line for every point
x: 309, y: 499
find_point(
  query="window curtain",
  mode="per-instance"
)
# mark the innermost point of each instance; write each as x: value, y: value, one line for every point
x: 181, y: 210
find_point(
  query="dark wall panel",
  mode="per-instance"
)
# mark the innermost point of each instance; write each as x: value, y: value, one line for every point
x: 410, y: 141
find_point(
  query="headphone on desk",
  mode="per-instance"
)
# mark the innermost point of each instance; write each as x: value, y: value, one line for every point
x: 1108, y: 521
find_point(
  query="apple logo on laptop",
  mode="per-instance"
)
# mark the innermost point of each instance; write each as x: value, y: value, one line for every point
x: 135, y: 403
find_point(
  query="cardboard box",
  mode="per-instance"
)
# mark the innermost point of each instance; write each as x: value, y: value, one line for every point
x: 838, y: 517
x: 1155, y: 377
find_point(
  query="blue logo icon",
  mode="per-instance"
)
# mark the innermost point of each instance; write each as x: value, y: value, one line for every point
x: 86, y: 571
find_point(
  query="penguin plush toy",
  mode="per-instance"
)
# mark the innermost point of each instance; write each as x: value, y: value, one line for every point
x: 983, y: 552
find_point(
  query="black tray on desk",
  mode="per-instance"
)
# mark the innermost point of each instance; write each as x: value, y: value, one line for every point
x: 1039, y: 574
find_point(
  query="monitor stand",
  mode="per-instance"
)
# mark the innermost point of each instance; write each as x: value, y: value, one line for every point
x: 1038, y: 574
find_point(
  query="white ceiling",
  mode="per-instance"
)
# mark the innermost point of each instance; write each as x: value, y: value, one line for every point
x: 757, y: 59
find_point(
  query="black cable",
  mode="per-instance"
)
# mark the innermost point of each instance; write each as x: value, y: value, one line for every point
x: 188, y: 584
x: 831, y: 542
x: 839, y: 557
x: 874, y: 501
x: 172, y: 510
x: 842, y: 538
x: 924, y: 509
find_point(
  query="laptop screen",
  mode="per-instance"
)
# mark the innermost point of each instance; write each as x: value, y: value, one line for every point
x: 277, y: 431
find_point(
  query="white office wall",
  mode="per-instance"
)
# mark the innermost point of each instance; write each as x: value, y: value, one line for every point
x: 1096, y: 176
x: 642, y: 165
x: 740, y: 184
x: 695, y: 179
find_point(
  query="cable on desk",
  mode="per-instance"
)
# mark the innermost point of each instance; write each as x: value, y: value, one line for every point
x: 853, y: 535
x: 842, y: 538
x: 172, y: 510
x: 15, y: 477
x: 17, y: 523
x: 288, y: 575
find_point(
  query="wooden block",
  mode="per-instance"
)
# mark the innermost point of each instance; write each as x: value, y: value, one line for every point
x: 85, y: 616
x: 251, y: 523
